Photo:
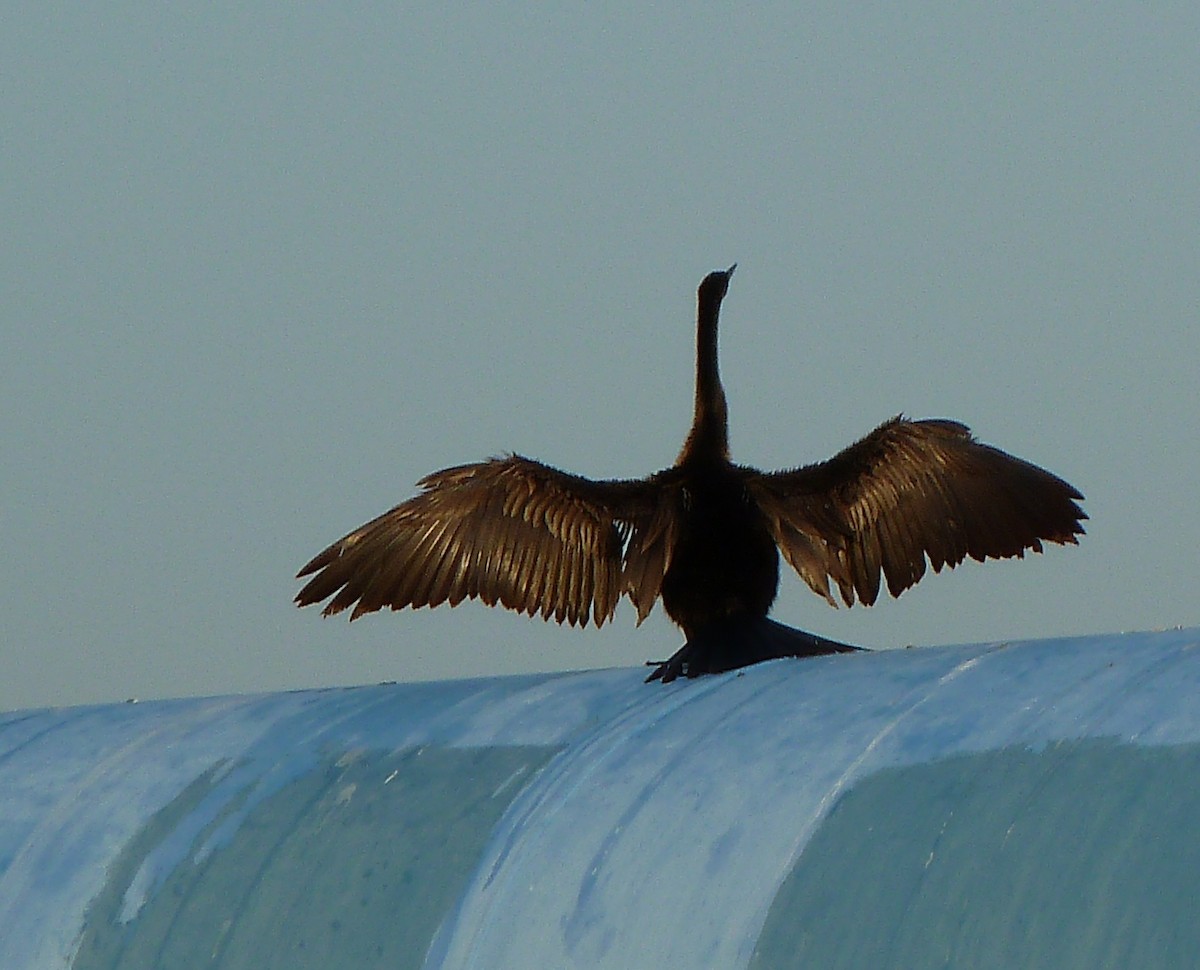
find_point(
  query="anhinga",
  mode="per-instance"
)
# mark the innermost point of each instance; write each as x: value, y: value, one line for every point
x: 705, y: 534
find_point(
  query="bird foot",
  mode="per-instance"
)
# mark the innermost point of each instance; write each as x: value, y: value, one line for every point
x: 739, y: 642
x: 668, y: 670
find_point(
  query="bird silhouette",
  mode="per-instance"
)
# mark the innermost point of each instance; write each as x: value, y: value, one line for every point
x: 705, y: 534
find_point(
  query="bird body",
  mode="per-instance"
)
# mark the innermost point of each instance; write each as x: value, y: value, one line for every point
x: 705, y: 534
x: 724, y: 560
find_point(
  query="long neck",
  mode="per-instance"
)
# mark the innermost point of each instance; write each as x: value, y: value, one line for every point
x: 709, y: 437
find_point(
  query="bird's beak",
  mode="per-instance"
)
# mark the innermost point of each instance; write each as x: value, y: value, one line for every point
x: 729, y: 272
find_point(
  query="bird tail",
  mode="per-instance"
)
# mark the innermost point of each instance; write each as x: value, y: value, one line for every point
x: 739, y: 641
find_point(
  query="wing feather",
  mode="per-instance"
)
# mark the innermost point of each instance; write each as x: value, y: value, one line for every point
x: 649, y: 549
x: 508, y: 530
x: 909, y: 493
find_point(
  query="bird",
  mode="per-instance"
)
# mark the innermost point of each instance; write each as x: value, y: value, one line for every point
x: 704, y: 535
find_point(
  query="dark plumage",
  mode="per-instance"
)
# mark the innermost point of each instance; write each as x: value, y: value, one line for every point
x: 704, y: 534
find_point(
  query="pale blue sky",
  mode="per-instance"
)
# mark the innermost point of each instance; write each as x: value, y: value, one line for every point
x: 265, y: 267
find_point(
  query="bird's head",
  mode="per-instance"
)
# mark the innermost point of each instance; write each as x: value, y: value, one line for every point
x: 714, y: 285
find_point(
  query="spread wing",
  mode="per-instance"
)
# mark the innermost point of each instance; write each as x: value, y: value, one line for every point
x: 907, y: 492
x: 507, y: 530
